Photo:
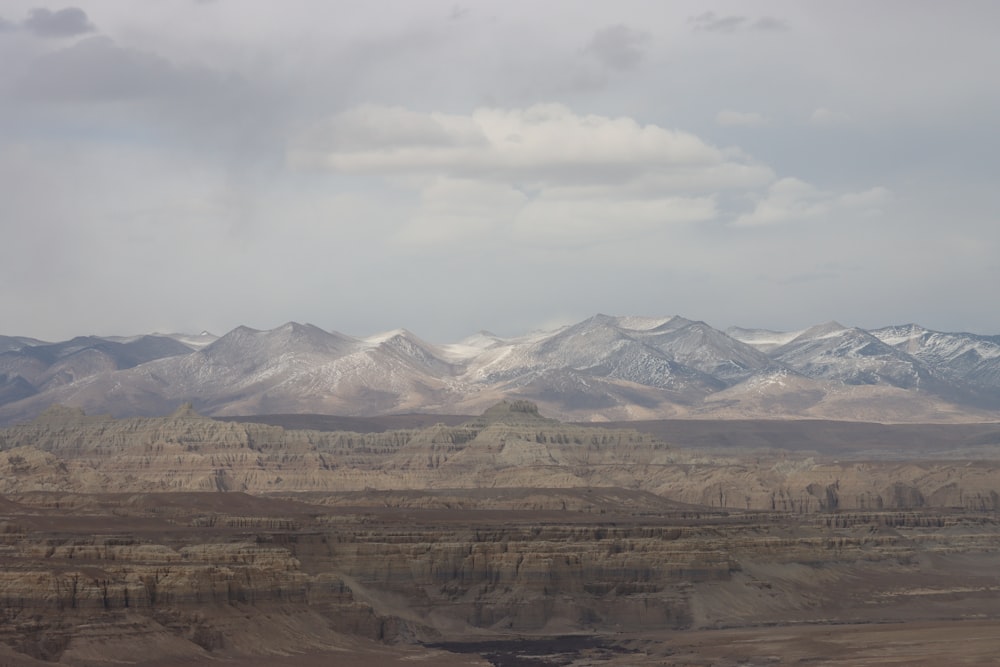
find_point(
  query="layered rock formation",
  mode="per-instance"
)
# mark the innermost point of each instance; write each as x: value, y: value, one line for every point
x: 510, y: 446
x: 185, y: 577
x: 183, y: 539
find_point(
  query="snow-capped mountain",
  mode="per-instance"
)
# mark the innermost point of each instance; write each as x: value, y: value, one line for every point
x: 708, y: 350
x: 15, y: 343
x: 597, y: 347
x: 849, y: 355
x: 604, y: 367
x: 763, y: 340
x: 48, y: 365
x: 958, y: 356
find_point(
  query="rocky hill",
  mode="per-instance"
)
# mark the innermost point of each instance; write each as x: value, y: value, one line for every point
x: 604, y: 368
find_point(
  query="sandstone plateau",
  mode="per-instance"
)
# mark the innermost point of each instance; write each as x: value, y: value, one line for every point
x: 506, y: 539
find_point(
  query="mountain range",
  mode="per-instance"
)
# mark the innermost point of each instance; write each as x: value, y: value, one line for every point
x: 603, y: 368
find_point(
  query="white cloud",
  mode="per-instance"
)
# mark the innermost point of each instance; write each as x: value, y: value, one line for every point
x: 869, y: 200
x: 792, y: 200
x: 386, y: 132
x: 457, y: 211
x: 740, y: 119
x: 547, y: 175
x: 453, y: 210
x: 541, y: 142
x: 138, y: 163
x: 555, y: 220
x: 824, y: 117
x: 544, y: 173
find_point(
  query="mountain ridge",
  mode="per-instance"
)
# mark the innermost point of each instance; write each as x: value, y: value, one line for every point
x: 602, y: 368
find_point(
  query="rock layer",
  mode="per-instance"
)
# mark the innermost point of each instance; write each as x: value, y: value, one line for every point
x: 510, y: 446
x: 91, y: 578
x: 248, y: 542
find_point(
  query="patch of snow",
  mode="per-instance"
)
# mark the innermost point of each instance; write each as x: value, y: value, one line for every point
x: 763, y: 339
x: 196, y: 342
x: 379, y: 338
x: 639, y: 323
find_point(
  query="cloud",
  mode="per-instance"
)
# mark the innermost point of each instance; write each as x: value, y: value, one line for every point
x: 740, y: 119
x: 769, y: 23
x: 710, y: 22
x: 823, y: 117
x: 98, y: 88
x: 541, y: 174
x: 792, y: 200
x: 97, y: 69
x: 454, y: 209
x: 869, y: 201
x: 541, y: 144
x: 198, y: 105
x: 553, y: 220
x: 384, y: 135
x: 66, y: 22
x: 618, y: 47
x: 6, y: 26
x: 787, y: 200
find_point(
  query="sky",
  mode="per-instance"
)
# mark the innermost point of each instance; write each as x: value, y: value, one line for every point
x: 449, y: 167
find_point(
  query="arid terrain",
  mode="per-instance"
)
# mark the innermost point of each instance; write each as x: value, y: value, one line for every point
x: 504, y: 539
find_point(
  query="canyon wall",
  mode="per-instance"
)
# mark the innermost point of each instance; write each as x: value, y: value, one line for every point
x: 93, y: 577
x: 509, y: 446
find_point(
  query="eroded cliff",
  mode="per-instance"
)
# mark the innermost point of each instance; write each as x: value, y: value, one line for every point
x: 92, y: 578
x: 511, y: 446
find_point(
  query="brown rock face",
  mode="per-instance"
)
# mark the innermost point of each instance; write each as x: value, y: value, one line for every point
x: 91, y: 578
x: 511, y: 445
x: 191, y: 540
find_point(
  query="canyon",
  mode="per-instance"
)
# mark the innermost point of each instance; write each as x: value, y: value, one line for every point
x: 506, y: 539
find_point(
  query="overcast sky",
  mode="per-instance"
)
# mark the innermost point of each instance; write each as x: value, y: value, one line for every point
x: 180, y: 165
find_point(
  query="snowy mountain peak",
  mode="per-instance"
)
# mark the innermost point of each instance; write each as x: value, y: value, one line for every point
x: 962, y: 357
x: 243, y: 343
x: 604, y: 367
x: 195, y: 342
x: 307, y: 332
x: 825, y: 330
x: 636, y: 323
x: 672, y: 324
x: 764, y: 340
x: 379, y: 338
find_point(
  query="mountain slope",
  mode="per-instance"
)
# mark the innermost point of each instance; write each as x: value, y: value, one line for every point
x: 699, y: 346
x: 602, y: 368
x: 601, y: 348
x: 960, y: 356
x: 850, y: 355
x: 36, y: 367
